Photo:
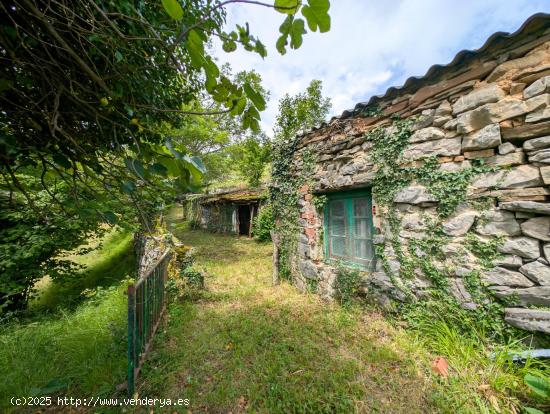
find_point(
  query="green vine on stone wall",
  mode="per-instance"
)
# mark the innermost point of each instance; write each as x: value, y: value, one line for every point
x: 425, y: 254
x: 285, y: 195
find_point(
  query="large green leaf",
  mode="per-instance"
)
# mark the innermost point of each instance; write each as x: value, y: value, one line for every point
x: 539, y: 385
x: 173, y: 8
x: 254, y: 96
x: 296, y: 33
x: 287, y: 6
x: 316, y: 14
x: 195, y: 47
x: 284, y: 29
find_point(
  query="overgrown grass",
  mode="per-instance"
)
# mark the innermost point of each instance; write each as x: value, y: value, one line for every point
x: 488, y: 384
x: 105, y: 266
x: 245, y: 346
x: 78, y: 348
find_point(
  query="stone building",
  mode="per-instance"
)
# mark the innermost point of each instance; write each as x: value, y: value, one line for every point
x: 226, y: 210
x: 485, y: 119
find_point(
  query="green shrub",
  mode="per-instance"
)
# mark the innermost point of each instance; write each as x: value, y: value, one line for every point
x: 263, y: 223
x: 348, y: 281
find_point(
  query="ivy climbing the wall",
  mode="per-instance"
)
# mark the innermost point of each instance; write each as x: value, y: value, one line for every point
x: 285, y: 194
x: 426, y: 255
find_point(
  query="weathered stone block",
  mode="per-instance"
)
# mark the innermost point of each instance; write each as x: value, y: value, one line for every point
x: 508, y: 160
x: 414, y: 195
x: 487, y: 137
x: 472, y: 155
x: 538, y: 87
x: 533, y: 320
x: 498, y: 223
x: 521, y: 176
x: 510, y: 261
x: 446, y: 147
x: 459, y: 291
x: 308, y: 269
x: 537, y: 116
x: 542, y: 156
x: 537, y: 227
x: 526, y: 207
x: 546, y: 250
x: 545, y: 174
x: 524, y: 132
x: 427, y: 134
x: 515, y: 65
x: 536, y: 295
x: 506, y: 148
x: 459, y: 224
x: 537, y: 272
x: 444, y: 109
x: 537, y: 144
x: 455, y: 166
x: 526, y: 247
x: 504, y: 277
x: 487, y: 94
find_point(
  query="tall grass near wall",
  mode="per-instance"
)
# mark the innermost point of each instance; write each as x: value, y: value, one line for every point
x: 74, y: 343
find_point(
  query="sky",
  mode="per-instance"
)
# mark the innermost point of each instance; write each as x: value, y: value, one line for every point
x: 372, y: 44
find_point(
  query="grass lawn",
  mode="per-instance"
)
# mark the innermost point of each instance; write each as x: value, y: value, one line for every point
x: 243, y: 345
x: 246, y: 346
x: 73, y: 342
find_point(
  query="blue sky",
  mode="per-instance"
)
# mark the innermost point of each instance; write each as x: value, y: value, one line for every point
x: 372, y: 44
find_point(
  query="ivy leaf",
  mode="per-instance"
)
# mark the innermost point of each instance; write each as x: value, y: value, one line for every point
x: 316, y: 14
x: 254, y: 96
x: 287, y: 6
x: 173, y: 8
x: 539, y: 385
x: 118, y: 56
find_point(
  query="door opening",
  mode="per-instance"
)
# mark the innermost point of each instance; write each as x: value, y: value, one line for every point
x: 244, y: 220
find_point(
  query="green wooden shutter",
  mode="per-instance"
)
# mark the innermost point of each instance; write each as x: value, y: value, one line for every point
x: 348, y: 227
x: 338, y: 228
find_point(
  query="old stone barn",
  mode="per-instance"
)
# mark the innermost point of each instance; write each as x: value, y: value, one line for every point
x: 224, y: 211
x: 438, y: 188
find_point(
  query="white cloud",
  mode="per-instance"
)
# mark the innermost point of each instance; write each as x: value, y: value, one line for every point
x: 371, y: 45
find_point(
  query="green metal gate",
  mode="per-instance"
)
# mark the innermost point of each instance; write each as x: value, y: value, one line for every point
x: 146, y: 306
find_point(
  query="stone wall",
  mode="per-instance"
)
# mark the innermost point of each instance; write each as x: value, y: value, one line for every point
x: 495, y: 107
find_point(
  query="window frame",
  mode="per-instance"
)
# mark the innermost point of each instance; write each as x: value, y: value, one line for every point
x: 348, y: 196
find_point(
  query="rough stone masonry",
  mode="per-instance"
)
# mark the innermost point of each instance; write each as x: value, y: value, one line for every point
x: 491, y: 104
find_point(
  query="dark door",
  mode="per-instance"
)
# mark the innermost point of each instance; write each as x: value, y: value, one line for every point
x: 244, y: 220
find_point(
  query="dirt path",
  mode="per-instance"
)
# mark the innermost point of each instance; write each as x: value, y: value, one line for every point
x: 247, y: 346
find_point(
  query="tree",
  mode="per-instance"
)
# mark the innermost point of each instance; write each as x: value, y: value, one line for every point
x: 87, y: 88
x: 219, y: 139
x: 296, y: 113
x: 252, y: 157
x: 301, y: 112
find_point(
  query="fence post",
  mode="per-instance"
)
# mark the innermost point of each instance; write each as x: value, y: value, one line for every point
x: 131, y: 338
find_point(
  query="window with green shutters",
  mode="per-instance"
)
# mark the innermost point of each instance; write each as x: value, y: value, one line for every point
x: 348, y: 228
